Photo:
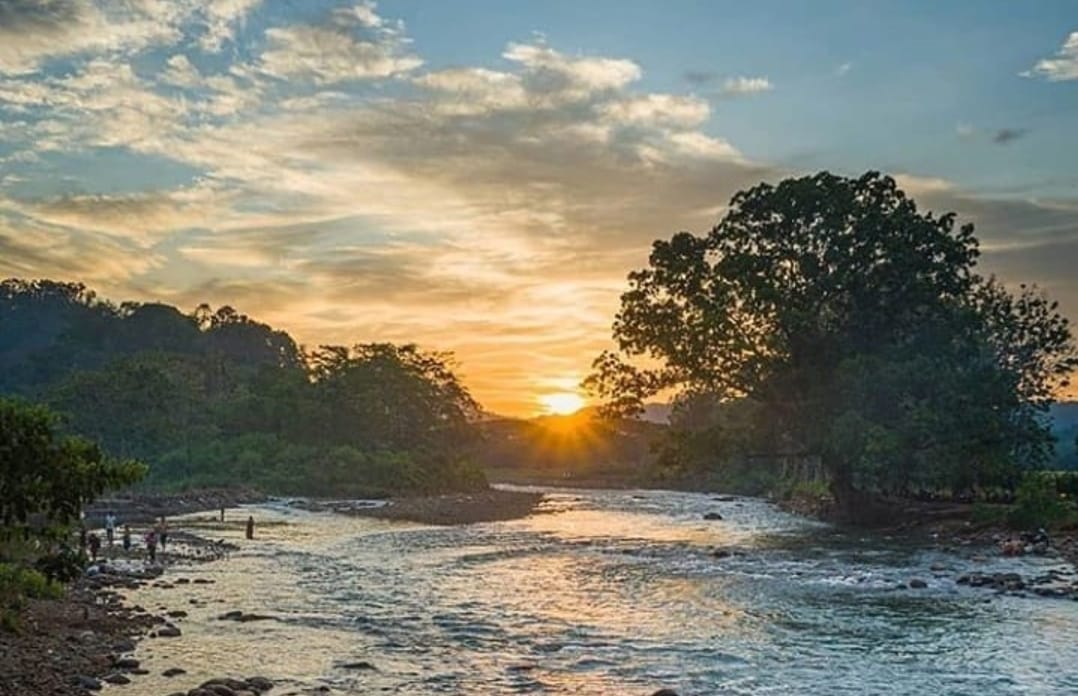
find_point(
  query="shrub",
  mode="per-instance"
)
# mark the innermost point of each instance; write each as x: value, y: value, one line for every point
x: 17, y: 584
x: 1037, y: 503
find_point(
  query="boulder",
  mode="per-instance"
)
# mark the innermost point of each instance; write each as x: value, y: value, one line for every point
x: 362, y: 664
x: 665, y: 692
x: 173, y: 672
x: 259, y: 684
x: 88, y: 683
x: 712, y: 516
x: 917, y: 584
x: 116, y: 678
x: 126, y: 663
x: 168, y: 631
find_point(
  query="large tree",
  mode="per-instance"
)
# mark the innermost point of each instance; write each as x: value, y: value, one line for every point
x: 858, y: 329
x: 42, y: 472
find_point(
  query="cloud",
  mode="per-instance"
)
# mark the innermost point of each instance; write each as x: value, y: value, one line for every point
x: 1008, y: 135
x: 138, y: 218
x: 221, y: 17
x: 843, y: 69
x: 354, y: 45
x: 1001, y: 136
x: 1062, y: 66
x: 700, y: 78
x: 34, y: 31
x: 746, y: 85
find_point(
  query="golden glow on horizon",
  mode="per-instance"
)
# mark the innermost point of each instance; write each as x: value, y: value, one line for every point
x: 561, y: 403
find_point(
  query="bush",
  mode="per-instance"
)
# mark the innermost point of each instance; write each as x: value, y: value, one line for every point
x: 64, y: 566
x: 19, y: 583
x: 1037, y: 502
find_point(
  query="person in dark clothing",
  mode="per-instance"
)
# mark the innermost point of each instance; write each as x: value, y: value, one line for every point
x: 95, y: 546
x: 250, y: 527
x: 127, y: 538
x: 82, y: 536
x: 151, y: 545
x: 162, y: 532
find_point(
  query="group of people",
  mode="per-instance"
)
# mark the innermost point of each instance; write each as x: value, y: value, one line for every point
x: 156, y: 535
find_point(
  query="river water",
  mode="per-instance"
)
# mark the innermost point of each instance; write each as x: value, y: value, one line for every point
x: 606, y: 592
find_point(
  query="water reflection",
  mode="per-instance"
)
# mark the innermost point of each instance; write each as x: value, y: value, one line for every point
x: 608, y: 593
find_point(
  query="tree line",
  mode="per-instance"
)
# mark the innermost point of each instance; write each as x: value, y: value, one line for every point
x: 213, y: 397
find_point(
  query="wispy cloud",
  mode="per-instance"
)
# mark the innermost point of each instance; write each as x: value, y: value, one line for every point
x: 1060, y: 67
x: 746, y: 85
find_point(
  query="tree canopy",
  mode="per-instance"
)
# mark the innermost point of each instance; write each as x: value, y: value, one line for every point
x: 213, y: 397
x: 857, y: 328
x: 46, y: 473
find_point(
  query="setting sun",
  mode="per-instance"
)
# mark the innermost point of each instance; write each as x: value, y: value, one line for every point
x: 562, y: 403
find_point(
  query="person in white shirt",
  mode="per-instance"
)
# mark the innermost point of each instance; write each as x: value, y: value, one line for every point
x: 110, y: 526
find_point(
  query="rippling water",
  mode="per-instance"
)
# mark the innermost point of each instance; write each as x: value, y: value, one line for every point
x: 610, y: 592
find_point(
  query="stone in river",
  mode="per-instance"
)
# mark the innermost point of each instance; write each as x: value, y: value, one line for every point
x: 173, y: 672
x: 127, y: 663
x: 362, y: 664
x: 88, y: 683
x: 168, y: 632
x: 116, y: 678
x: 665, y: 692
x: 259, y: 684
x: 712, y: 516
x: 918, y: 584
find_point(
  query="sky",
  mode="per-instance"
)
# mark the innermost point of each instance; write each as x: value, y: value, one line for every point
x: 480, y: 177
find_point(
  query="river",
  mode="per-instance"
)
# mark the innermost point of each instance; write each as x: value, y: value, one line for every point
x: 606, y: 592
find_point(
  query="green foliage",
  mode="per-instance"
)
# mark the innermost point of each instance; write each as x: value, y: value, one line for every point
x: 216, y: 398
x: 19, y: 583
x: 856, y: 332
x: 64, y: 565
x: 51, y: 475
x: 1037, y: 502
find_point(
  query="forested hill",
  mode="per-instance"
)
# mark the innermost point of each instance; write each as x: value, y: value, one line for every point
x: 214, y: 398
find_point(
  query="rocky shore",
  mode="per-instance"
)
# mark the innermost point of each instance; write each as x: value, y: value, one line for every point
x: 140, y: 508
x: 492, y: 505
x: 76, y: 645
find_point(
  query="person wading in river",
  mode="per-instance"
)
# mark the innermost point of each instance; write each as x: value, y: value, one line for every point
x: 251, y: 527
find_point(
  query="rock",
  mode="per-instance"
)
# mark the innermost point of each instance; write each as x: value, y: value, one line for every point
x: 724, y: 498
x: 168, y: 631
x: 219, y: 690
x: 177, y: 614
x: 665, y: 692
x: 230, y: 615
x: 917, y: 584
x: 712, y: 516
x: 362, y: 664
x: 126, y: 663
x: 722, y: 553
x: 173, y: 672
x: 259, y: 684
x: 254, y: 617
x: 937, y: 567
x: 124, y: 646
x: 202, y: 581
x: 88, y: 683
x: 116, y: 678
x: 138, y: 670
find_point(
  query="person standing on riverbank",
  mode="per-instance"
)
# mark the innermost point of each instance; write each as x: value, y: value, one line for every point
x: 127, y: 538
x: 250, y: 526
x: 110, y: 526
x: 95, y: 546
x: 162, y: 532
x: 151, y: 545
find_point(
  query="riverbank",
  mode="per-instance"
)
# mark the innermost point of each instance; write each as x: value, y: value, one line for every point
x: 493, y: 505
x: 142, y: 508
